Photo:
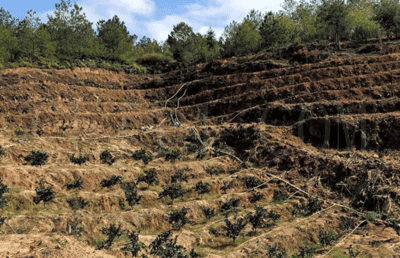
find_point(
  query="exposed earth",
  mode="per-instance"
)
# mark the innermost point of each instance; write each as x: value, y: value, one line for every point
x: 316, y: 131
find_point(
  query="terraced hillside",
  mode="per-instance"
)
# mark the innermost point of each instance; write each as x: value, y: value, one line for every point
x: 306, y: 154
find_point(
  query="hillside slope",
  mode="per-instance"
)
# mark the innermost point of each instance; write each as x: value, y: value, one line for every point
x: 318, y: 141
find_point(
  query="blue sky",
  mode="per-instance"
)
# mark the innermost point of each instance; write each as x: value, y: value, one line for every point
x: 154, y: 18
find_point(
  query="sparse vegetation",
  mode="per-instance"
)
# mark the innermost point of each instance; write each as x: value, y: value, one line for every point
x: 45, y: 194
x: 255, y: 197
x: 208, y: 212
x: 305, y: 252
x: 229, y: 205
x: 112, y: 233
x: 233, y: 229
x: 141, y: 155
x: 107, y: 158
x: 133, y: 245
x: 149, y: 178
x: 326, y: 238
x: 172, y: 191
x: 178, y: 218
x: 77, y: 203
x: 111, y: 182
x: 276, y: 251
x: 179, y: 177
x: 202, y: 188
x: 77, y: 184
x: 131, y: 194
x: 37, y: 158
x: 81, y: 159
x: 227, y: 186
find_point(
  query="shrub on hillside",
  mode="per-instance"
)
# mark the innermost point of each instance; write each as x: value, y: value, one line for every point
x: 255, y: 197
x: 133, y: 245
x: 45, y: 194
x: 156, y: 62
x: 150, y: 177
x: 74, y: 184
x: 202, y: 188
x: 77, y: 203
x: 131, y: 194
x: 172, y: 154
x: 172, y: 191
x: 109, y: 183
x: 179, y: 177
x: 208, y: 212
x: 81, y: 159
x: 178, y: 218
x: 107, y: 158
x: 112, y: 233
x: 141, y: 155
x: 229, y: 205
x: 3, y: 189
x: 37, y: 158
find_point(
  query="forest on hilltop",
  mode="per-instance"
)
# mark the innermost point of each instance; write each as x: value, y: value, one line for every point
x: 68, y: 39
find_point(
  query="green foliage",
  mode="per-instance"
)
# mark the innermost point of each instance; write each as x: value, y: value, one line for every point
x: 346, y: 224
x: 133, y: 245
x: 71, y: 31
x: 202, y: 188
x: 114, y: 35
x: 274, y: 216
x: 141, y: 155
x: 229, y: 205
x: 305, y: 252
x: 172, y: 191
x: 334, y: 16
x: 255, y: 197
x: 257, y: 218
x: 37, y: 158
x: 165, y: 247
x: 74, y: 184
x: 387, y: 14
x: 192, y: 148
x: 233, y: 229
x: 19, y: 131
x: 112, y: 233
x: 394, y: 223
x: 77, y: 203
x: 276, y: 251
x: 326, y: 238
x: 149, y: 178
x: 371, y: 216
x: 45, y: 194
x: 3, y: 189
x: 172, y: 154
x: 156, y: 62
x: 212, y: 171
x: 178, y: 218
x: 2, y: 220
x: 240, y: 39
x: 73, y: 227
x: 313, y: 205
x: 179, y: 177
x: 201, y: 154
x: 2, y: 152
x: 227, y: 186
x: 81, y: 159
x: 131, y: 193
x: 251, y: 181
x: 208, y: 212
x: 353, y: 253
x: 109, y: 183
x: 279, y: 196
x: 107, y: 158
x: 276, y: 30
x: 180, y: 41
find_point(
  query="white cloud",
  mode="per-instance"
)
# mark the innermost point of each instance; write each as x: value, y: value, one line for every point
x: 138, y: 15
x: 217, y: 13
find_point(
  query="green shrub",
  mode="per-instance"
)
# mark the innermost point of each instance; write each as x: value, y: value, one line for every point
x: 149, y: 178
x: 179, y: 177
x: 131, y: 194
x: 232, y: 230
x: 276, y: 251
x: 192, y: 148
x: 257, y: 218
x: 163, y: 246
x: 133, y: 245
x: 77, y: 203
x: 107, y: 158
x: 326, y: 238
x: 112, y: 233
x: 312, y: 206
x: 346, y: 224
x: 74, y: 184
x: 208, y: 212
x: 45, y: 194
x: 141, y: 155
x: 172, y: 191
x: 201, y: 154
x: 305, y: 252
x: 79, y: 160
x: 202, y: 188
x: 212, y: 171
x: 251, y: 181
x: 227, y: 186
x: 172, y: 154
x: 109, y: 183
x: 37, y: 158
x: 2, y: 152
x: 178, y: 218
x: 156, y: 62
x: 19, y: 131
x: 255, y: 197
x: 73, y: 227
x: 3, y: 189
x: 229, y: 205
x: 279, y: 197
x: 274, y: 216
